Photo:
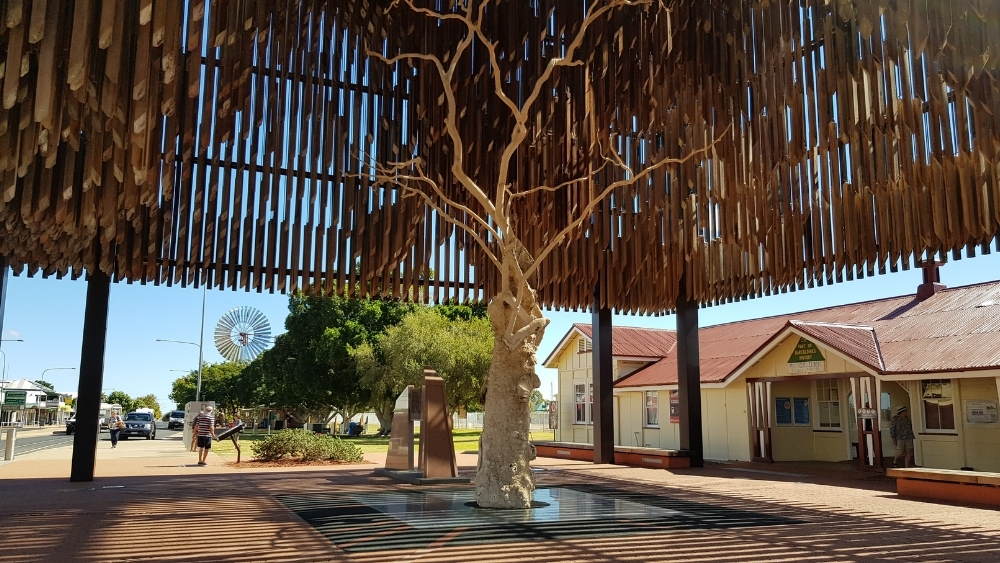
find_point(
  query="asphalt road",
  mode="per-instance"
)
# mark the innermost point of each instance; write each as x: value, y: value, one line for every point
x: 31, y: 444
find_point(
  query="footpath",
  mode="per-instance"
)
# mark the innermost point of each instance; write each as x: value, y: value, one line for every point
x: 151, y: 501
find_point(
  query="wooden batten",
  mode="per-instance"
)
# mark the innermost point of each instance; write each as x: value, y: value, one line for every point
x: 760, y: 147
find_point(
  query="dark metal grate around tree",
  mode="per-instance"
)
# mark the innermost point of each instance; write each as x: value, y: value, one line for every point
x: 236, y: 143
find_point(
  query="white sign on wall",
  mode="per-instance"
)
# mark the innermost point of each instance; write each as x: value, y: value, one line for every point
x: 981, y: 412
x: 802, y: 368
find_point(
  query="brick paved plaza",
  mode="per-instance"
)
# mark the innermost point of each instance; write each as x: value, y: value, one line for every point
x: 150, y: 502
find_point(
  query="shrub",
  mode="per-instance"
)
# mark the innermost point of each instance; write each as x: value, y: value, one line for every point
x: 305, y: 446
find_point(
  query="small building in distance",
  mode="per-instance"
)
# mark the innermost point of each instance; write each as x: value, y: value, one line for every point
x: 818, y: 385
x: 26, y: 403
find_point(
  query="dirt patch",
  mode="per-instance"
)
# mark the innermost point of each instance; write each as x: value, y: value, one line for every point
x: 292, y: 463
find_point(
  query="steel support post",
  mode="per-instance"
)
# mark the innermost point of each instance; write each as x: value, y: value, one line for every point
x: 689, y: 381
x: 603, y: 402
x: 4, y: 280
x: 88, y: 402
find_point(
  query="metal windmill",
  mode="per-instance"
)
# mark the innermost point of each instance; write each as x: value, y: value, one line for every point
x: 242, y: 333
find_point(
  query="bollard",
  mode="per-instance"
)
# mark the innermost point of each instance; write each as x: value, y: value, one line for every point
x: 8, y: 450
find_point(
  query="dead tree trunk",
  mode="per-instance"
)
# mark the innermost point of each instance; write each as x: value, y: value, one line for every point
x: 504, y: 478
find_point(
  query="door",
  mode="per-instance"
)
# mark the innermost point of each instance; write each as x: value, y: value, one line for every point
x: 893, y: 397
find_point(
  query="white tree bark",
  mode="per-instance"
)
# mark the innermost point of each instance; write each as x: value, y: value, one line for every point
x: 504, y: 478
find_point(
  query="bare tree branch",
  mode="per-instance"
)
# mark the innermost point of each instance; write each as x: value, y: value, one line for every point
x: 521, y: 115
x: 560, y: 185
x: 585, y: 213
x: 451, y: 116
x: 447, y: 217
x: 428, y: 12
x: 391, y: 173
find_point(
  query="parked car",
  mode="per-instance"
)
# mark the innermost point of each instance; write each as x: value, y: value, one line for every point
x: 71, y: 423
x: 139, y: 424
x: 175, y: 420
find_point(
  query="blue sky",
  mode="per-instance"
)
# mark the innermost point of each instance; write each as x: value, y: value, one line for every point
x: 48, y: 315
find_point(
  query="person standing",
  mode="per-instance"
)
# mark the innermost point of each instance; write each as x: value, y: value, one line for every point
x: 204, y: 430
x: 115, y: 425
x: 902, y: 437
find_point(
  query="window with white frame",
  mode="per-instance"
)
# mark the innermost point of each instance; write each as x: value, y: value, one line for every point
x: 583, y: 345
x: 939, y: 404
x: 652, y: 409
x: 828, y: 403
x: 582, y: 401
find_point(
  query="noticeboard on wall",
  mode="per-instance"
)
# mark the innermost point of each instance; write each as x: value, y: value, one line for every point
x: 675, y: 407
x: 978, y: 411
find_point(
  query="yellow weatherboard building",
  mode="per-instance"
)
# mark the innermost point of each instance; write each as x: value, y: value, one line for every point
x: 819, y: 385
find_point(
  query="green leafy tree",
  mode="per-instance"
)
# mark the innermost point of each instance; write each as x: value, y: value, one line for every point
x: 310, y: 369
x: 221, y: 383
x: 149, y: 402
x: 121, y: 398
x: 461, y: 311
x: 537, y: 400
x: 44, y: 384
x: 460, y: 351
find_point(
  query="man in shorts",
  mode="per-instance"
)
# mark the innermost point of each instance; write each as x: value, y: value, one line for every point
x: 203, y: 428
x: 902, y: 437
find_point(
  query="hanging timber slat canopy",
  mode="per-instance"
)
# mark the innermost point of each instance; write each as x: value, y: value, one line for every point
x: 724, y: 148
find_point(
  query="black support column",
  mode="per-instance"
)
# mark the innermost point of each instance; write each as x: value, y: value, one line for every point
x: 689, y: 381
x: 4, y: 279
x: 88, y: 401
x: 603, y: 403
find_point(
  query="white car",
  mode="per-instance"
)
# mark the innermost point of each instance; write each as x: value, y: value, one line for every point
x: 175, y: 420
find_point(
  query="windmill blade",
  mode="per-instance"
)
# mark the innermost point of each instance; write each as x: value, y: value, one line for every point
x: 242, y: 333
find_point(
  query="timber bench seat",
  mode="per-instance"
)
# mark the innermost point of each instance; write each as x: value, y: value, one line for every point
x: 624, y: 455
x: 974, y: 487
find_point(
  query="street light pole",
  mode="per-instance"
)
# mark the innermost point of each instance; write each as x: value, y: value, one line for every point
x: 3, y: 372
x: 46, y: 370
x: 198, y: 392
x: 201, y: 342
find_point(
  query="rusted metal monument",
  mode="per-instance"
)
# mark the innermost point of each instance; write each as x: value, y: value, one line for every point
x: 643, y: 156
x: 428, y: 404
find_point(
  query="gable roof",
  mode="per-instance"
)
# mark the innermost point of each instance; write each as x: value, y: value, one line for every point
x: 955, y: 329
x: 626, y: 341
x: 23, y: 385
x: 857, y: 342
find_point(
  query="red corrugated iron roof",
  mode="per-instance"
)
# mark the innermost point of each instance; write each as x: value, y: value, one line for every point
x: 955, y: 329
x: 635, y: 341
x: 854, y: 341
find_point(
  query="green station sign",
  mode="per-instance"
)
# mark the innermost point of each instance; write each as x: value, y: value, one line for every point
x: 805, y: 351
x: 15, y: 398
x: 806, y: 359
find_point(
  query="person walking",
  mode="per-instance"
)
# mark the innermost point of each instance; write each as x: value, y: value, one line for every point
x: 204, y: 430
x: 902, y: 437
x: 115, y: 425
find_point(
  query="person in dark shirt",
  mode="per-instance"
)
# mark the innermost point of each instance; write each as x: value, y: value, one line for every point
x: 203, y: 428
x: 902, y: 437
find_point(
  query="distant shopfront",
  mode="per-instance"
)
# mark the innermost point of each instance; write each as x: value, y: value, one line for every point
x: 24, y: 403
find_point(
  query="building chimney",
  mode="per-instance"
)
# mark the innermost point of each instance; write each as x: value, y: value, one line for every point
x: 932, y: 278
